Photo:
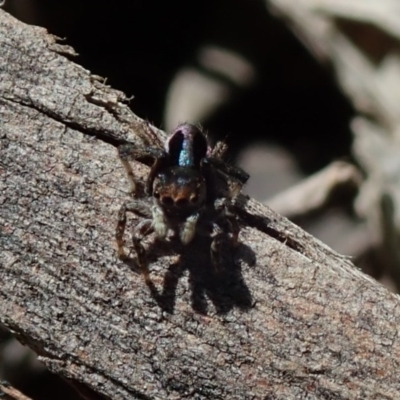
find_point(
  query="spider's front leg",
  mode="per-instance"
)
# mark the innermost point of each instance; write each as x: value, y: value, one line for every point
x: 235, y: 175
x: 141, y: 230
x: 144, y: 228
x: 230, y: 224
x: 188, y: 229
x: 217, y: 157
x: 151, y: 156
x: 137, y: 207
x: 225, y: 234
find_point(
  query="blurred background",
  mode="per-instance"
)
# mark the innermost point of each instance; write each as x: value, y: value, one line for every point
x: 305, y: 92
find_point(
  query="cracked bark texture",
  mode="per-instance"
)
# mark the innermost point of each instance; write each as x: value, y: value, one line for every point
x: 290, y: 319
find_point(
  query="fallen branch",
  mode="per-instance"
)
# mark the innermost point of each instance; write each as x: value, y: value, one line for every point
x: 11, y: 393
x: 316, y: 192
x: 298, y: 322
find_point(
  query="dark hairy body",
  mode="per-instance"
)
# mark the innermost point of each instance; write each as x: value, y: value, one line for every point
x: 184, y: 194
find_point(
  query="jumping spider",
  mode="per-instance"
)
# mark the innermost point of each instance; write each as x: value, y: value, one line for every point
x: 191, y: 189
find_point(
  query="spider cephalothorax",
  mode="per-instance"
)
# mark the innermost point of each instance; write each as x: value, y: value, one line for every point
x: 179, y: 191
x: 184, y: 185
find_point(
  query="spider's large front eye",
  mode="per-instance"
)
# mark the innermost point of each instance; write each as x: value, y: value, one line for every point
x: 167, y: 200
x: 156, y: 195
x: 194, y: 198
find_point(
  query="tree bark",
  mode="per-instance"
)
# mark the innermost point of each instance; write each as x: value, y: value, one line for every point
x: 288, y: 319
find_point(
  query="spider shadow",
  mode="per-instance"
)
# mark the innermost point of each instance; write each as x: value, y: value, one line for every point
x: 224, y: 287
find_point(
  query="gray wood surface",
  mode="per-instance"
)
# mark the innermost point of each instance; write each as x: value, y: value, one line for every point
x: 299, y: 322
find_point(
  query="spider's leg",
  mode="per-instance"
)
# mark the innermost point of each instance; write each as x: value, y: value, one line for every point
x: 130, y: 175
x: 229, y: 224
x: 217, y: 247
x: 220, y: 149
x: 159, y: 163
x: 159, y: 224
x: 145, y: 154
x: 141, y: 230
x: 189, y: 228
x: 137, y: 207
x: 209, y: 176
x: 230, y: 170
x: 225, y: 229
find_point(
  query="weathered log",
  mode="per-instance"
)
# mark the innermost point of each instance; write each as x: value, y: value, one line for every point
x: 299, y: 322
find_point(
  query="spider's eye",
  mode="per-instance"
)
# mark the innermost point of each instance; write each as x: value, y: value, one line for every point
x: 156, y: 195
x: 167, y: 200
x: 194, y: 198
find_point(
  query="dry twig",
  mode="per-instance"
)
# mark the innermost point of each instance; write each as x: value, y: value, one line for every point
x: 11, y: 393
x: 316, y: 192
